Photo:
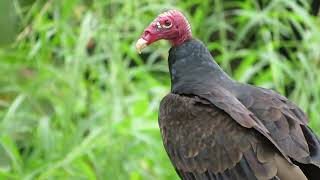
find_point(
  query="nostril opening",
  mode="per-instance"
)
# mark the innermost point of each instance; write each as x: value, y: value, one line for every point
x: 146, y: 32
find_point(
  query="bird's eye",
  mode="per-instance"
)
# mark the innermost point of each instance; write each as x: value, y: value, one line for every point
x: 167, y: 24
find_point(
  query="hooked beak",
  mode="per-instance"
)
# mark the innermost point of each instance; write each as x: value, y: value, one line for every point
x: 141, y: 43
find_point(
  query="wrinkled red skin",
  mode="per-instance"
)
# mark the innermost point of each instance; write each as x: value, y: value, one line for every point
x: 178, y: 33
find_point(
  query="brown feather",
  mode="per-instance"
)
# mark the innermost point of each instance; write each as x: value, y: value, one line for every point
x: 283, y: 120
x: 203, y: 141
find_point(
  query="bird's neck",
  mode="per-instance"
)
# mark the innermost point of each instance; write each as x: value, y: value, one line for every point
x: 192, y: 66
x: 181, y: 39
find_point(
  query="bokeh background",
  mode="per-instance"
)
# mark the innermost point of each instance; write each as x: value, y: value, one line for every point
x: 78, y: 102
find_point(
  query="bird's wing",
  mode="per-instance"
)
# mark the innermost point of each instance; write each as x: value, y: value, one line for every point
x: 205, y: 142
x: 286, y: 123
x: 226, y: 101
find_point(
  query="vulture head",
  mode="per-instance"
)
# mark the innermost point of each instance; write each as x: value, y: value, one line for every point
x: 171, y: 25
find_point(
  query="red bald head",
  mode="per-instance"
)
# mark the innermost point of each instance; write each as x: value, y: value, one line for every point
x: 170, y: 25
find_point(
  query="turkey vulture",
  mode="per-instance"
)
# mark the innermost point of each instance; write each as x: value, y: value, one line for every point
x: 213, y: 127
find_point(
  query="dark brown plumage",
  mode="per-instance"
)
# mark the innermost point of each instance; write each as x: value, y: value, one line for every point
x: 204, y: 142
x: 216, y: 128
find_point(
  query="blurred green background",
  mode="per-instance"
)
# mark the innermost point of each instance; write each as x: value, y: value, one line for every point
x: 78, y: 102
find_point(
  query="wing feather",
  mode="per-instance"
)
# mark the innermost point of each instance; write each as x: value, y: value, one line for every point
x: 204, y: 142
x: 286, y: 123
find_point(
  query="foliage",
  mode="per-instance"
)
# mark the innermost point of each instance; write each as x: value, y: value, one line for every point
x: 77, y: 101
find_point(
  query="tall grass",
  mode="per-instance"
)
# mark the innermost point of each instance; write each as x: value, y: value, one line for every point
x: 67, y: 113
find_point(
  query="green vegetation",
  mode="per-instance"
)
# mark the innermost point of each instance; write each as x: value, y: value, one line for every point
x: 78, y: 102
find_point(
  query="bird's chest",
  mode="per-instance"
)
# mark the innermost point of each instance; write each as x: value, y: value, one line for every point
x: 187, y: 119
